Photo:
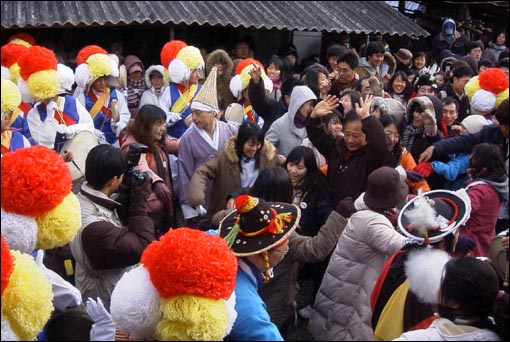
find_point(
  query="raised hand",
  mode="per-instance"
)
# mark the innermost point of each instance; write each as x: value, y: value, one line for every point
x: 325, y: 107
x: 255, y: 73
x: 363, y: 108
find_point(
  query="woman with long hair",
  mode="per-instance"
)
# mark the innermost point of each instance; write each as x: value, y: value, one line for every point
x: 236, y: 166
x: 149, y: 128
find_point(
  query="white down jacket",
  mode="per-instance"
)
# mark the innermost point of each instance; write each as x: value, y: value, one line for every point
x: 342, y: 305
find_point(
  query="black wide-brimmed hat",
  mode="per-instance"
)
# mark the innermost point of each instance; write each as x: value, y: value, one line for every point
x: 256, y: 225
x: 451, y: 210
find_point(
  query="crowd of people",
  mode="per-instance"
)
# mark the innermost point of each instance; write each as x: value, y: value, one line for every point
x: 188, y: 200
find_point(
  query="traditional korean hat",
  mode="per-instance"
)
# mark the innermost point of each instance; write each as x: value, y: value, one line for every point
x: 26, y: 296
x: 242, y: 77
x: 168, y: 54
x: 430, y: 224
x: 39, y: 211
x: 487, y: 90
x: 257, y: 226
x: 11, y: 99
x: 183, y: 290
x: 207, y: 98
x: 185, y: 62
x: 93, y: 62
x: 38, y: 73
x: 10, y: 54
x: 22, y: 38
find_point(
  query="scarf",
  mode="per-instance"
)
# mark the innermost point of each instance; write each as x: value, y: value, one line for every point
x: 135, y: 89
x: 410, y: 134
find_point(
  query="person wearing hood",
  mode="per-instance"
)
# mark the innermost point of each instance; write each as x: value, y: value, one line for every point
x: 225, y: 72
x: 487, y: 191
x: 135, y: 82
x: 289, y: 130
x: 156, y: 85
x: 371, y: 64
x: 450, y: 39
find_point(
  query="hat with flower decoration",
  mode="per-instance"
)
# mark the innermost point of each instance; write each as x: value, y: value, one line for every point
x: 183, y: 290
x: 10, y: 54
x: 38, y: 73
x: 432, y: 215
x: 185, y: 62
x: 168, y: 54
x: 22, y: 38
x: 39, y: 211
x: 257, y: 226
x: 11, y: 99
x: 92, y: 63
x: 242, y: 77
x: 487, y: 90
x: 26, y: 296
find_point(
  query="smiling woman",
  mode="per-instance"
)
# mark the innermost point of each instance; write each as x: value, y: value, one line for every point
x: 149, y: 128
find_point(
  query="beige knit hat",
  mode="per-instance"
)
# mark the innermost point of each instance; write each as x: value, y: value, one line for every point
x: 207, y: 98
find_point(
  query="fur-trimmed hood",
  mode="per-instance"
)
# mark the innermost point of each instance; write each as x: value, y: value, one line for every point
x: 268, y: 150
x: 219, y: 56
x: 430, y: 103
x: 160, y: 69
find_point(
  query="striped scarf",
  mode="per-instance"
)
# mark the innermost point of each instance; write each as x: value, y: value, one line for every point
x: 410, y: 134
x: 135, y: 89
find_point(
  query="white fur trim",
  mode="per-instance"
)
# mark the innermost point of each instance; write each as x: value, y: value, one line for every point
x: 483, y: 101
x: 178, y: 71
x: 424, y: 268
x: 25, y: 93
x: 66, y: 77
x: 231, y: 312
x: 236, y: 86
x: 19, y: 231
x: 6, y: 75
x: 135, y: 304
x: 7, y: 333
x: 159, y: 68
x: 82, y: 76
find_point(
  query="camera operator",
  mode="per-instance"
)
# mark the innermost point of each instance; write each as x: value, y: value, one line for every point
x: 104, y: 248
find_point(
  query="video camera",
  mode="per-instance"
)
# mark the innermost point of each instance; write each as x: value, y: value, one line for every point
x: 133, y: 177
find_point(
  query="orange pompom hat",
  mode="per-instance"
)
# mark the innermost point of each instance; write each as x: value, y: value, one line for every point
x: 88, y: 51
x: 493, y: 80
x: 242, y: 77
x: 38, y: 68
x: 202, y: 264
x: 183, y: 290
x: 44, y: 173
x: 38, y: 208
x: 22, y: 38
x: 170, y: 50
x: 7, y: 264
x: 10, y: 54
x: 93, y: 62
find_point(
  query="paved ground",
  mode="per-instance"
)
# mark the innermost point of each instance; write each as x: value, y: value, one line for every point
x: 300, y: 332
